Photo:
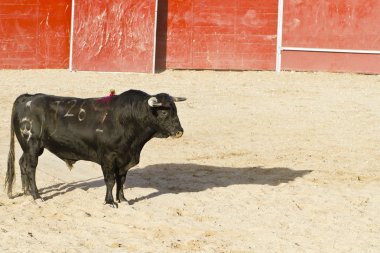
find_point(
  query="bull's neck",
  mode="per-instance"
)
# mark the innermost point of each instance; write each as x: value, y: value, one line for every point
x: 142, y: 136
x: 147, y: 134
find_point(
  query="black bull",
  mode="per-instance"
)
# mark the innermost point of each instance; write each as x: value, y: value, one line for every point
x: 110, y: 132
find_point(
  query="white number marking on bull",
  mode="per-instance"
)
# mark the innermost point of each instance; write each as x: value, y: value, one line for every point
x: 82, y: 112
x: 56, y: 116
x: 68, y: 114
x: 26, y: 129
x: 99, y: 129
x: 56, y: 109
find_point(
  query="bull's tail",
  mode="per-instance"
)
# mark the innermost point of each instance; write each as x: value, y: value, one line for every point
x: 10, y: 176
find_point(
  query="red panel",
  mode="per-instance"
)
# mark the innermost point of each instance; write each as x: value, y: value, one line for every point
x: 345, y: 24
x: 217, y: 34
x: 339, y: 24
x: 336, y: 62
x: 34, y: 33
x: 114, y: 35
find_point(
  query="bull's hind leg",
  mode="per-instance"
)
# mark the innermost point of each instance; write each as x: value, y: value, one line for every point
x: 24, y: 177
x: 31, y: 161
x: 31, y: 165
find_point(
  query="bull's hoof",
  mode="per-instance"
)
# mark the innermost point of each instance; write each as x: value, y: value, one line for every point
x: 39, y: 202
x: 122, y: 199
x: 37, y: 196
x: 13, y: 196
x: 112, y: 204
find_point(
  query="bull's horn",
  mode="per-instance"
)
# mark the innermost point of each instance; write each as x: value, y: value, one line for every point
x: 178, y: 99
x: 153, y: 102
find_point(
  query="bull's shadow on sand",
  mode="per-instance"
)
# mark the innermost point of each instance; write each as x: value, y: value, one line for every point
x: 179, y: 178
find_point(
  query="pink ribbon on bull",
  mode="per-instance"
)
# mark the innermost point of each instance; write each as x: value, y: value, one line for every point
x: 107, y: 99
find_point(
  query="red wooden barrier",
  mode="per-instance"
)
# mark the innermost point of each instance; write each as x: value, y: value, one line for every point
x: 114, y: 35
x: 217, y: 34
x: 117, y: 35
x: 34, y: 33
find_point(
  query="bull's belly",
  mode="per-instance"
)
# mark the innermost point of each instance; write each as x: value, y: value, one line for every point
x: 71, y: 149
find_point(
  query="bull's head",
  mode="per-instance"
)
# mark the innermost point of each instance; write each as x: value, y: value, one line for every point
x: 165, y: 115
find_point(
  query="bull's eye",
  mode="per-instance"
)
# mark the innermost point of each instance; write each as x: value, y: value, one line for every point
x: 163, y: 114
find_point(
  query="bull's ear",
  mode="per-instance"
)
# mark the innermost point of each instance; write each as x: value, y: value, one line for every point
x: 153, y: 102
x: 178, y: 99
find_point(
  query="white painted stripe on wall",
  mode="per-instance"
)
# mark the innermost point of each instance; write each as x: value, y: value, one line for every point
x: 279, y: 34
x: 330, y: 50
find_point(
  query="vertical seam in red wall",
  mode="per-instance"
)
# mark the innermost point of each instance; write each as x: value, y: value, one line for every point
x: 36, y: 50
x: 192, y: 33
x: 234, y: 32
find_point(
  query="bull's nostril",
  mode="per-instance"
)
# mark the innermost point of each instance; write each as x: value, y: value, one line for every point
x: 179, y: 134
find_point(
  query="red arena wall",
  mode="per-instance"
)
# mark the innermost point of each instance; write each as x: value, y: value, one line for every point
x: 118, y: 35
x: 34, y: 34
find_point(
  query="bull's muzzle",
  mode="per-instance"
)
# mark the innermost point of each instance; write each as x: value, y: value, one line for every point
x: 178, y: 134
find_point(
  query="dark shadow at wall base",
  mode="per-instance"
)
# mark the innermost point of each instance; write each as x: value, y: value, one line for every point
x: 161, y: 36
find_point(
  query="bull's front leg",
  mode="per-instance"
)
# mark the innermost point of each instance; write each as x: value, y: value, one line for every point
x: 109, y: 179
x: 120, y: 179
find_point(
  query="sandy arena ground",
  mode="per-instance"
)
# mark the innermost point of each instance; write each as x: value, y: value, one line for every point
x: 268, y: 163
